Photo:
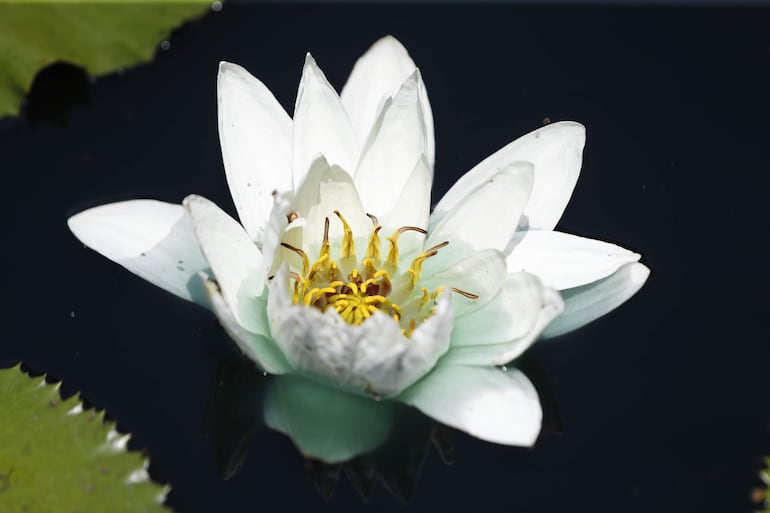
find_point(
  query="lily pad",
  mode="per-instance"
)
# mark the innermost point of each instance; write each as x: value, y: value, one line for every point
x: 100, y: 36
x: 57, y: 456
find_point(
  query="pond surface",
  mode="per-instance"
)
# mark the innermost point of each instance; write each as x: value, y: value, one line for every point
x: 660, y: 406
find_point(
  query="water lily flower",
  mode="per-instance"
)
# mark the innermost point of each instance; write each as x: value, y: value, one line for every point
x: 340, y: 279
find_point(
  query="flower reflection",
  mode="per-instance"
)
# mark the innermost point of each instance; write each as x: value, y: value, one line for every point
x: 340, y: 279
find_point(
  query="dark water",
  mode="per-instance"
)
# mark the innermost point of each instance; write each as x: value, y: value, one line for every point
x: 663, y: 405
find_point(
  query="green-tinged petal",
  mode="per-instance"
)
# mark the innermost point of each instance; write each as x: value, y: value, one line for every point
x: 487, y: 217
x: 507, y: 326
x: 234, y: 258
x: 556, y: 150
x: 486, y: 402
x: 320, y: 125
x: 256, y: 138
x: 257, y: 346
x: 589, y: 302
x: 326, y: 423
x: 152, y: 239
x: 481, y: 273
x: 397, y: 141
x: 565, y: 261
x: 376, y: 76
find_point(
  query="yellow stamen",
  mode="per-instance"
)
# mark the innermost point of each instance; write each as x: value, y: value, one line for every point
x: 357, y: 290
x: 393, y: 239
x: 373, y: 248
x: 348, y: 245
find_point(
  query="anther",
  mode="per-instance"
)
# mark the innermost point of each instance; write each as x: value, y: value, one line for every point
x: 305, y: 262
x: 469, y: 295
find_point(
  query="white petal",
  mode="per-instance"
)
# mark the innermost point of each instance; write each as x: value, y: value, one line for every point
x: 256, y: 137
x: 324, y: 190
x: 152, y: 239
x: 505, y: 328
x: 488, y: 403
x: 376, y: 76
x: 257, y: 346
x: 397, y: 141
x: 556, y: 150
x: 234, y: 258
x: 320, y: 124
x: 564, y: 261
x: 411, y: 209
x: 373, y: 358
x: 481, y: 273
x: 487, y: 216
x: 588, y: 302
x: 326, y: 424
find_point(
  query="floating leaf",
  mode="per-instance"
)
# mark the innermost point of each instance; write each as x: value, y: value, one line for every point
x: 98, y: 35
x: 57, y: 456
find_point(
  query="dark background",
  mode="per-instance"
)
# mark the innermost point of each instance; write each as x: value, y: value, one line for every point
x: 663, y: 403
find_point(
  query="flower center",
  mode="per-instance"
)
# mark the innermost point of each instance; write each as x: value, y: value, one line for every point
x: 357, y: 289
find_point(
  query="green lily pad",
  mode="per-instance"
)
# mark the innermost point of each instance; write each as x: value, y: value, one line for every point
x: 100, y: 36
x: 57, y: 456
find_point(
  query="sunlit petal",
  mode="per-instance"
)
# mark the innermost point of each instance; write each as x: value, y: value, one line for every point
x: 152, y: 239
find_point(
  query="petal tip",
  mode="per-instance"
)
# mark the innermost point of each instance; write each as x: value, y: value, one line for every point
x: 639, y: 273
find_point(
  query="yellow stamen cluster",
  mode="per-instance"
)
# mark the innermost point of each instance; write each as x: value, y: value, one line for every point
x: 356, y: 290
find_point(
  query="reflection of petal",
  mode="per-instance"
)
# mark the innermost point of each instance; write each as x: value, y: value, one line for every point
x: 255, y: 134
x: 324, y: 423
x: 488, y: 403
x: 233, y: 412
x: 589, y: 302
x: 152, y: 239
x: 556, y: 150
x: 564, y: 261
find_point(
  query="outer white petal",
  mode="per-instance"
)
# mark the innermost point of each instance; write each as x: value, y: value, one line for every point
x: 397, y: 141
x: 152, y: 239
x: 505, y: 328
x: 488, y: 403
x: 256, y: 137
x: 257, y: 346
x: 487, y: 216
x: 373, y: 358
x: 556, y: 150
x: 325, y: 423
x: 234, y: 258
x: 565, y: 261
x: 320, y: 124
x: 376, y: 76
x: 588, y: 302
x: 481, y: 273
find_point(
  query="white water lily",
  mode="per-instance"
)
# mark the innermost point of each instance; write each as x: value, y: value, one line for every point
x: 338, y: 276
